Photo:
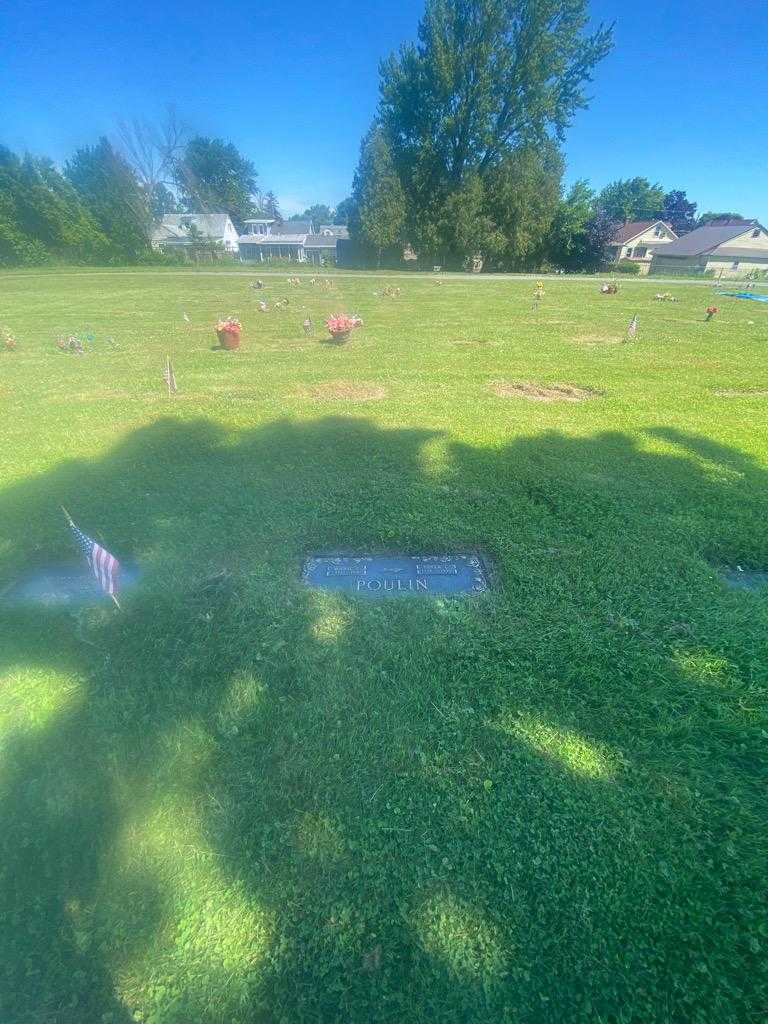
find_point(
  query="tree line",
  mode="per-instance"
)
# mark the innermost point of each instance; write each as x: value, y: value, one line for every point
x: 464, y: 156
x: 463, y: 160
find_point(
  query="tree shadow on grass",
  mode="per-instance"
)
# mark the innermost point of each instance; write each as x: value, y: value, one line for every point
x: 243, y: 800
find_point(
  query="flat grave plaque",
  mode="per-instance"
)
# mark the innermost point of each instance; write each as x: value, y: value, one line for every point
x: 389, y: 575
x: 63, y: 585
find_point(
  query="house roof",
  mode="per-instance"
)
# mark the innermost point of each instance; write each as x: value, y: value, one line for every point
x: 292, y: 239
x: 167, y: 232
x: 321, y: 241
x: 704, y: 240
x: 743, y: 254
x: 633, y: 228
x: 213, y: 225
x: 337, y: 230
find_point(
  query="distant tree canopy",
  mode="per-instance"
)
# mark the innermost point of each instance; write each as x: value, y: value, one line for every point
x: 43, y: 217
x: 709, y: 216
x: 344, y: 211
x: 634, y: 199
x: 317, y: 214
x: 678, y: 212
x: 212, y: 176
x: 464, y: 110
x: 110, y: 190
x: 579, y: 233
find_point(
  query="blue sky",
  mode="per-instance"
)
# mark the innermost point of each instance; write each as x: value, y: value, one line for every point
x: 294, y: 85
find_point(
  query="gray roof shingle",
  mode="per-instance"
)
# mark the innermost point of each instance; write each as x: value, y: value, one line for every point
x: 321, y: 242
x: 704, y: 240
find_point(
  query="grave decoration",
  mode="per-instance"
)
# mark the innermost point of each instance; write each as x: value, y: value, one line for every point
x: 9, y: 342
x: 228, y: 332
x: 341, y: 326
x: 711, y: 310
x: 71, y: 344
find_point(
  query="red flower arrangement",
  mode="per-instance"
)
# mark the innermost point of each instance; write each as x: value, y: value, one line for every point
x: 342, y: 324
x: 711, y: 310
x: 228, y: 332
x: 230, y: 324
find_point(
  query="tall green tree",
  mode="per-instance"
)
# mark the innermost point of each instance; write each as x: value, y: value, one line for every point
x: 42, y: 216
x: 110, y: 190
x: 214, y: 177
x: 633, y: 199
x: 486, y: 78
x: 678, y: 212
x: 571, y: 241
x: 318, y: 214
x: 379, y: 202
x: 522, y: 199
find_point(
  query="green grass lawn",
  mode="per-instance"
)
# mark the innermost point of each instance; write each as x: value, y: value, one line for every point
x: 239, y: 800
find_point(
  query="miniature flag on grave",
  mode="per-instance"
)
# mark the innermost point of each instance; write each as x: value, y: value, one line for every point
x: 169, y: 377
x: 104, y: 566
x: 632, y: 329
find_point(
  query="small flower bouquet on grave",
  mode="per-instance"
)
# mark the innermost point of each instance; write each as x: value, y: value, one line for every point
x: 711, y: 310
x: 228, y: 332
x: 341, y: 325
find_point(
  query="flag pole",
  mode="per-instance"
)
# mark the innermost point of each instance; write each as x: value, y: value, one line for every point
x: 69, y: 517
x: 117, y: 603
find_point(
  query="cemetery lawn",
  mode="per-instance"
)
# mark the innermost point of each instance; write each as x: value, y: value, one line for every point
x: 240, y: 800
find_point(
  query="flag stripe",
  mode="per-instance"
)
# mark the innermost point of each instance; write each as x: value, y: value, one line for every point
x: 103, y: 565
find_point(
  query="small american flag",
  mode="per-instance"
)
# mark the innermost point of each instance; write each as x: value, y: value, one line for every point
x: 632, y: 329
x: 103, y: 565
x: 169, y: 377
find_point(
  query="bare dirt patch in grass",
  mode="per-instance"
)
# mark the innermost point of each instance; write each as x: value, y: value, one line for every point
x: 540, y: 392
x: 343, y: 391
x: 740, y: 392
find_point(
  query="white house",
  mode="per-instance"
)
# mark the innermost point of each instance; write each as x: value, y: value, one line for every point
x: 637, y: 240
x: 173, y: 231
x: 267, y: 239
x: 730, y: 248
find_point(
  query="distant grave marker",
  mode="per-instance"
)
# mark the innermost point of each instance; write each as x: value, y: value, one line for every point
x: 62, y: 585
x: 745, y: 579
x: 390, y: 575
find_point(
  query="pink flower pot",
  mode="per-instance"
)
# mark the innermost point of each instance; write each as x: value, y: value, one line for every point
x: 229, y: 339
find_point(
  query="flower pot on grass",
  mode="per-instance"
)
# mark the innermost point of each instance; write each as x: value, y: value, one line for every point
x: 229, y: 339
x: 228, y: 333
x: 340, y: 326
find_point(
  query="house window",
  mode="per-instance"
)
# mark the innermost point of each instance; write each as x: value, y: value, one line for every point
x: 640, y: 251
x: 735, y: 265
x: 659, y: 232
x: 756, y: 233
